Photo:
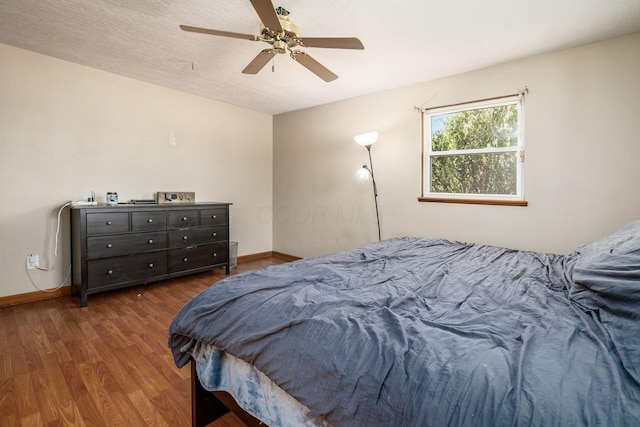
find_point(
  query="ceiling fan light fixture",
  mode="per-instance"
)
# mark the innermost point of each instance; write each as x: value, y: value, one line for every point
x: 280, y: 46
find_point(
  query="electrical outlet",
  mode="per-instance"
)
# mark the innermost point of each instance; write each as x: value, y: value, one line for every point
x: 32, y: 262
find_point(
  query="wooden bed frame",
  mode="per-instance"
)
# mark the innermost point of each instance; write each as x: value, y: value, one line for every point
x: 208, y: 406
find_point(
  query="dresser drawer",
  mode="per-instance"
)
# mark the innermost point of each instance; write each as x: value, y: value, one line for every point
x: 184, y: 218
x: 125, y: 244
x: 105, y: 223
x: 113, y: 271
x: 197, y: 236
x: 197, y: 257
x: 148, y: 221
x: 215, y: 216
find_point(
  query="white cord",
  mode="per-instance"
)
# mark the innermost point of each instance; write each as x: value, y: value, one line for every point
x: 55, y: 253
x: 50, y: 289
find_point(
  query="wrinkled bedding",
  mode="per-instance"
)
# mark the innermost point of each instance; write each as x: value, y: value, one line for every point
x: 251, y: 389
x: 430, y: 332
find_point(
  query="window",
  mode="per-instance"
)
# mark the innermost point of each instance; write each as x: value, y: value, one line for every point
x: 474, y: 153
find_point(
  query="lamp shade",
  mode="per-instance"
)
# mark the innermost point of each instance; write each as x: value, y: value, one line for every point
x: 366, y: 138
x: 363, y: 173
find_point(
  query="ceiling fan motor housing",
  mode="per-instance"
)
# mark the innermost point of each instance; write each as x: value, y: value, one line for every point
x: 288, y: 27
x: 288, y: 38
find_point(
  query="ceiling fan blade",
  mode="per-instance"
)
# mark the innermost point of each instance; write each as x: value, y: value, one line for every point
x: 332, y: 42
x: 218, y: 33
x: 259, y: 61
x: 267, y: 14
x: 314, y: 66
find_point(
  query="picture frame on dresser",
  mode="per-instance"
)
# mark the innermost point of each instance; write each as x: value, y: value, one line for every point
x: 125, y: 245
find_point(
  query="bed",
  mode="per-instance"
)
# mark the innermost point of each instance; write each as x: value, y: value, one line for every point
x: 423, y: 332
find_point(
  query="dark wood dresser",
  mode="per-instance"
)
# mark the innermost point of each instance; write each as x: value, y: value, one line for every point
x: 129, y: 244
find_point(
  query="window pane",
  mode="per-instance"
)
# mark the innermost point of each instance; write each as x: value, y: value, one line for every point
x: 493, y: 173
x: 473, y: 129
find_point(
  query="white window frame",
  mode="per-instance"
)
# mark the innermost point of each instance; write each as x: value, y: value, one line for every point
x: 428, y: 154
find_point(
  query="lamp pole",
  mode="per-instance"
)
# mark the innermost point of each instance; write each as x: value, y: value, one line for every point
x: 367, y: 140
x: 375, y: 188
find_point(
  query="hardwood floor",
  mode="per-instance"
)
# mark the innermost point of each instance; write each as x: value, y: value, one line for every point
x: 107, y: 364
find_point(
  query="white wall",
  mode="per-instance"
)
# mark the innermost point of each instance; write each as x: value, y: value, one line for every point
x: 66, y: 129
x: 582, y: 168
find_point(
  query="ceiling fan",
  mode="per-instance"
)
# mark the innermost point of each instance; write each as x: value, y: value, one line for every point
x: 283, y: 36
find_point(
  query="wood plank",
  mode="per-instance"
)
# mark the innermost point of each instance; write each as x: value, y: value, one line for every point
x: 33, y: 420
x: 146, y: 409
x: 102, y: 397
x: 45, y: 397
x: 176, y: 412
x: 5, y: 361
x: 82, y: 350
x: 37, y: 341
x: 25, y: 396
x: 8, y: 405
x: 74, y: 380
x: 17, y: 359
x: 56, y: 382
x: 69, y: 414
x: 89, y: 412
x: 129, y: 411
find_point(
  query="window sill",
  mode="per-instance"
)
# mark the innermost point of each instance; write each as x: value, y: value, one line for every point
x: 475, y: 201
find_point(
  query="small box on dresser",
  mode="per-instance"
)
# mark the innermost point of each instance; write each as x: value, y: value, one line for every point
x: 118, y: 246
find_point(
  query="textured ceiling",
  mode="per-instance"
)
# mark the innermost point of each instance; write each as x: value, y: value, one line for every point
x: 406, y: 41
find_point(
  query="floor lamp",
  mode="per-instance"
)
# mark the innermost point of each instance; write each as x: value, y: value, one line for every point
x: 367, y: 140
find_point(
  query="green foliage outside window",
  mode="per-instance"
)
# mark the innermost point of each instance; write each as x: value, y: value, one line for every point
x: 484, y: 129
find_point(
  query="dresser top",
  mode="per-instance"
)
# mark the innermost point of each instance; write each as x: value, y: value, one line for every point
x: 106, y: 206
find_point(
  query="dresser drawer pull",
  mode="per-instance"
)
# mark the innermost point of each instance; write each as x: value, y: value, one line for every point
x: 213, y: 217
x: 185, y: 259
x: 109, y: 245
x: 184, y: 218
x: 214, y: 234
x: 150, y: 220
x: 110, y: 272
x: 215, y: 254
x: 108, y: 222
x: 150, y: 265
x: 150, y: 241
x: 185, y: 237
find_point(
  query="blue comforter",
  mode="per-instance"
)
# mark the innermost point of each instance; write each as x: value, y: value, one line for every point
x: 429, y: 332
